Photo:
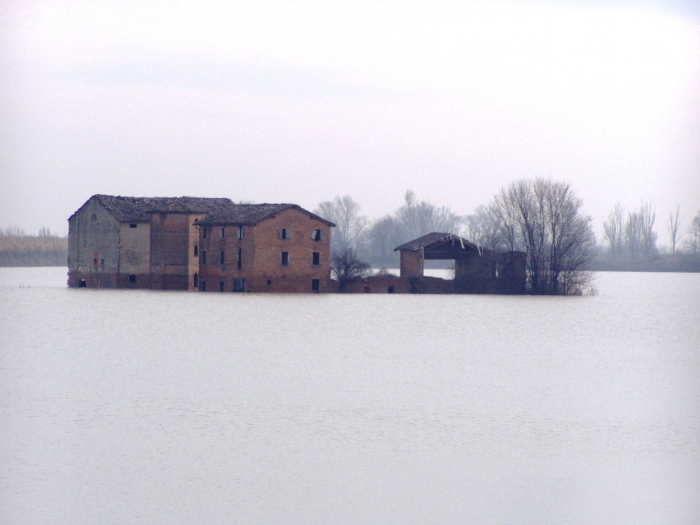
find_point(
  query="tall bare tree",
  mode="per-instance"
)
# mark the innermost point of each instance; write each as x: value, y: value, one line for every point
x: 614, y: 231
x: 481, y: 227
x: 546, y: 220
x: 693, y: 241
x: 673, y: 226
x: 416, y: 218
x: 349, y: 223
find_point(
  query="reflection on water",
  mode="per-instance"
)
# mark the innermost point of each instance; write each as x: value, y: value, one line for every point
x: 176, y: 407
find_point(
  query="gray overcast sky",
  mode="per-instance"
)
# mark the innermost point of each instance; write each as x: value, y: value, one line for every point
x: 301, y: 101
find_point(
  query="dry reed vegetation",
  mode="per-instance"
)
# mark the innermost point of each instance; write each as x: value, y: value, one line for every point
x: 19, y: 249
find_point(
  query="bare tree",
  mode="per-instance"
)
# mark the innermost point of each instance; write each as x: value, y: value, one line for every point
x: 673, y: 226
x: 693, y: 242
x: 545, y: 219
x: 614, y: 231
x: 379, y: 241
x: 482, y: 228
x: 647, y: 217
x: 349, y: 224
x: 346, y: 267
x: 416, y: 218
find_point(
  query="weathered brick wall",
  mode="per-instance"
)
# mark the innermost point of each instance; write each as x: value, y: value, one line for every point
x: 393, y: 284
x: 93, y: 247
x: 134, y: 255
x: 261, y: 251
x: 411, y: 263
x: 491, y: 272
x: 170, y: 251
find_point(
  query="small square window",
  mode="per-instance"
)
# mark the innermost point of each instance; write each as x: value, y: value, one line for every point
x: 285, y: 258
x: 316, y: 258
x: 315, y: 285
x: 318, y: 235
x: 238, y: 285
x: 133, y: 225
x: 132, y: 278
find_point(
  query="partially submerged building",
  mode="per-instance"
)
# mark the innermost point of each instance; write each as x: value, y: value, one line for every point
x: 265, y: 248
x: 136, y: 242
x: 185, y: 243
x: 476, y: 269
x: 214, y: 245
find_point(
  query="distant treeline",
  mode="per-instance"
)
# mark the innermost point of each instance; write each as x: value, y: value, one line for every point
x: 19, y: 249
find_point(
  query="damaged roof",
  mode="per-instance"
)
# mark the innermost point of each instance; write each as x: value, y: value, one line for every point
x: 253, y: 214
x: 434, y: 238
x: 137, y: 209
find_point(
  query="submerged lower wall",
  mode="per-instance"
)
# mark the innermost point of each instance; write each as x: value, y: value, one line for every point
x: 435, y: 285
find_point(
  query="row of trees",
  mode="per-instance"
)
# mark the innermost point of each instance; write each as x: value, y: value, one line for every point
x: 540, y: 217
x: 630, y: 235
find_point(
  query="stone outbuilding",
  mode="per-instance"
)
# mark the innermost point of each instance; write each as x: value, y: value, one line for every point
x: 477, y: 270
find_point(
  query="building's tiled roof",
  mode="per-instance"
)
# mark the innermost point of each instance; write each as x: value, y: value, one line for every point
x: 433, y: 238
x: 137, y: 209
x: 253, y: 214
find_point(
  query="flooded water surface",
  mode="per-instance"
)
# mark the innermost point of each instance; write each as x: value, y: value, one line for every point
x: 148, y: 407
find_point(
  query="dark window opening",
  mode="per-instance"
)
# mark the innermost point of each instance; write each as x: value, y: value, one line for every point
x: 318, y: 235
x: 204, y: 257
x: 223, y: 232
x: 285, y: 258
x: 102, y: 262
x: 132, y: 225
x: 132, y: 278
x: 221, y: 286
x: 82, y: 283
x: 317, y: 258
x: 196, y: 280
x: 239, y: 261
x: 315, y: 285
x: 221, y: 257
x: 283, y: 233
x: 204, y: 233
x: 240, y: 231
x: 366, y: 289
x: 94, y: 261
x: 391, y: 289
x: 203, y: 285
x: 196, y: 250
x: 238, y: 285
x: 269, y: 282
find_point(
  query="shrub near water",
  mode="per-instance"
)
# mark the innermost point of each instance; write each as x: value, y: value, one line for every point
x: 20, y: 249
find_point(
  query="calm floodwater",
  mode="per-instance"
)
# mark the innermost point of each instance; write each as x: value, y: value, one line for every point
x: 185, y: 408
